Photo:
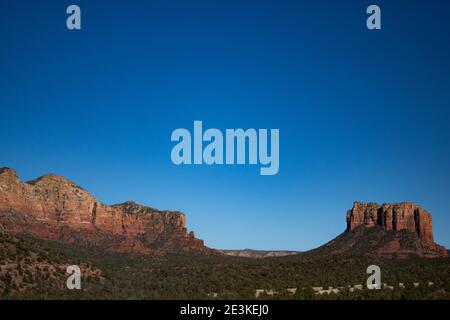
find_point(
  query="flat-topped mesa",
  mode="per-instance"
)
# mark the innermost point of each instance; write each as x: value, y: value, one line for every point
x: 60, y: 204
x: 401, y: 216
x: 405, y: 215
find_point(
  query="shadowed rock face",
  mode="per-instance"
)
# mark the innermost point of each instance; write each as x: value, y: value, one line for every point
x: 397, y: 217
x: 52, y: 207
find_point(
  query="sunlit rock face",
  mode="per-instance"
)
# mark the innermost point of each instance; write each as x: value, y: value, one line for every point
x: 396, y: 217
x: 52, y: 207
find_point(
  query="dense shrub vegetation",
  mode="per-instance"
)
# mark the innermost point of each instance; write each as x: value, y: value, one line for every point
x: 36, y: 269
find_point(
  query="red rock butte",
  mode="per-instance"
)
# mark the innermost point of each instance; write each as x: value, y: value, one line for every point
x: 54, y: 208
x: 397, y: 217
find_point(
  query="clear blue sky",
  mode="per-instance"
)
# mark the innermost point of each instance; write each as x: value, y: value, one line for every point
x: 362, y: 115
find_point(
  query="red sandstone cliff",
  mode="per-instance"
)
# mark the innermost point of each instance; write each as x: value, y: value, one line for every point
x: 51, y: 207
x: 396, y: 217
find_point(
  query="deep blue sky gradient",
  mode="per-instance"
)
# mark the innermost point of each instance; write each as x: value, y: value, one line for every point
x: 363, y: 115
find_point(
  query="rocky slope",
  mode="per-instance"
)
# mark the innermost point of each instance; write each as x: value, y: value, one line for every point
x: 28, y: 266
x: 54, y: 208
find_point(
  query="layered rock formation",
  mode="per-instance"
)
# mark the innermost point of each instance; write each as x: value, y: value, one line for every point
x: 52, y: 207
x: 397, y: 217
